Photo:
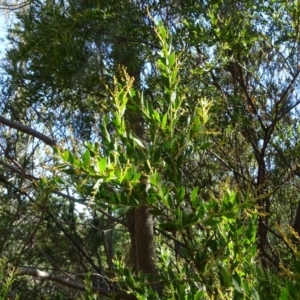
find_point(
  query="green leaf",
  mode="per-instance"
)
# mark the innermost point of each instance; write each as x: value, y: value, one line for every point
x: 169, y: 199
x: 77, y: 162
x: 236, y: 285
x: 199, y: 295
x: 136, y: 176
x: 194, y: 195
x: 181, y: 194
x: 65, y: 155
x: 225, y: 276
x: 59, y: 180
x: 177, y: 103
x: 211, y: 221
x: 179, y: 161
x: 152, y: 199
x: 196, y: 124
x: 174, y: 75
x: 186, y: 253
x: 86, y: 157
x: 102, y: 163
x: 103, y: 128
x: 173, y: 97
x: 157, y: 155
x: 105, y: 133
x: 201, y: 259
x: 236, y: 281
x: 169, y: 226
x: 162, y: 30
x: 97, y: 184
x: 172, y: 59
x: 129, y: 174
x: 156, y: 116
x: 163, y: 61
x: 69, y: 171
x: 164, y: 121
x: 205, y: 146
x: 123, y: 210
x: 284, y: 294
x: 254, y: 294
x: 70, y: 157
x: 117, y: 120
x: 230, y: 215
x: 139, y: 142
x: 166, y: 82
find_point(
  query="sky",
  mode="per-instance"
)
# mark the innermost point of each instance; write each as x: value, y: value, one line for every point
x: 5, y: 20
x: 3, y: 43
x: 2, y: 33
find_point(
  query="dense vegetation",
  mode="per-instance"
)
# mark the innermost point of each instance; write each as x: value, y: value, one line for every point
x: 150, y: 150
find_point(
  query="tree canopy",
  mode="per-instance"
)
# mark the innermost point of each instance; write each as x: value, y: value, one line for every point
x: 149, y: 150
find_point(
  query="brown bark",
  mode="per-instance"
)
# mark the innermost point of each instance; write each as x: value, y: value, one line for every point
x: 144, y: 240
x: 140, y: 225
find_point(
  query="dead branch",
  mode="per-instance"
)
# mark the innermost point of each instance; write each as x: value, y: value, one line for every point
x: 75, y: 285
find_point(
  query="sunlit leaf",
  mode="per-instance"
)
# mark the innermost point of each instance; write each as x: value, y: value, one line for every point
x: 102, y: 163
x: 172, y: 59
x: 139, y: 142
x: 86, y: 157
x: 164, y: 121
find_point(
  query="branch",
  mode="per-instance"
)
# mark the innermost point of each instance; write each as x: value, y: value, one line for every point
x: 75, y: 285
x: 52, y: 217
x: 28, y: 130
x: 32, y: 179
x: 280, y: 237
x: 285, y: 92
x: 35, y: 229
x: 13, y: 7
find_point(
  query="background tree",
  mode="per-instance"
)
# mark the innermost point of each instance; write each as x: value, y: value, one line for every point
x: 221, y: 114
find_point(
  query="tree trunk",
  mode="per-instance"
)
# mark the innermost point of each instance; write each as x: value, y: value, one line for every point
x: 139, y: 220
x: 144, y: 240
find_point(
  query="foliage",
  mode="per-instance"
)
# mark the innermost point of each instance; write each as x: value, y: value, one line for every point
x: 215, y: 249
x: 191, y: 122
